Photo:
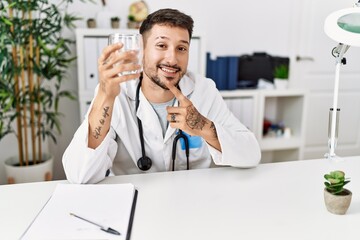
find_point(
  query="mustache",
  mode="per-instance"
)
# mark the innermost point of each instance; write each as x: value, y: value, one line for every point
x: 169, y: 66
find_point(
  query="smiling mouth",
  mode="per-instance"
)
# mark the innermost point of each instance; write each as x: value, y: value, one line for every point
x: 169, y: 69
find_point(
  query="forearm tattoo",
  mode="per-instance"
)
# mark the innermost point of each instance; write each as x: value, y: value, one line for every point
x: 194, y: 119
x: 213, y: 128
x: 97, y: 131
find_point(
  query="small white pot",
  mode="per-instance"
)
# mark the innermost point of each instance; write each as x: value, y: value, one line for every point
x: 281, y: 84
x: 33, y: 173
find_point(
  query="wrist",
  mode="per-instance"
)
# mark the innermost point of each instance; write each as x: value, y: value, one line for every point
x: 209, y: 131
x: 102, y: 99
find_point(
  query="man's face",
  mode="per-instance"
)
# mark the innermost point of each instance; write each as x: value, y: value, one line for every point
x: 166, y: 54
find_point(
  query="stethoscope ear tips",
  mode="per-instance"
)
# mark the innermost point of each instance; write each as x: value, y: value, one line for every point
x: 144, y: 163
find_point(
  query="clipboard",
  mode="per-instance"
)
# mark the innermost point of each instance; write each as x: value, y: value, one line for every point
x: 110, y: 205
x: 132, y: 214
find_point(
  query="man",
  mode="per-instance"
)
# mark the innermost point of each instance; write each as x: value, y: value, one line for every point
x: 132, y: 125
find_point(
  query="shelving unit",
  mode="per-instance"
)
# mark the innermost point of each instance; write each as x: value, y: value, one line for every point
x: 243, y: 104
x: 286, y: 106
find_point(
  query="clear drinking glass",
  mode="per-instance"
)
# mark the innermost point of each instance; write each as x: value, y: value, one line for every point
x: 130, y: 42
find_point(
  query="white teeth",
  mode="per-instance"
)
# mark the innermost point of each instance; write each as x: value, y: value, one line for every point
x: 167, y: 70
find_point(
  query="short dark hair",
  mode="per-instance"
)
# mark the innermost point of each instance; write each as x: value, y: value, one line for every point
x: 168, y: 17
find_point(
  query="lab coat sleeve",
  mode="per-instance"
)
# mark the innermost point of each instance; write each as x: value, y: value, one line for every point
x: 239, y: 147
x: 85, y: 165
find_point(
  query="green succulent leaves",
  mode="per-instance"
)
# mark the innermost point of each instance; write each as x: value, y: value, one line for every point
x: 335, y: 182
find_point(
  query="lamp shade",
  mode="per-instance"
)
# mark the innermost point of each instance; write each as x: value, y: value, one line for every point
x: 343, y: 26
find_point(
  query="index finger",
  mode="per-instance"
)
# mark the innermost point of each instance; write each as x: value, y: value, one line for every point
x: 184, y: 101
x: 108, y: 50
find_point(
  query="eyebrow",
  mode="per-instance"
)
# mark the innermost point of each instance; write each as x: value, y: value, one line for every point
x: 163, y: 37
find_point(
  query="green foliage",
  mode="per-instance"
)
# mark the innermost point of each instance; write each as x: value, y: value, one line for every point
x: 34, y: 58
x: 131, y: 18
x: 335, y: 182
x: 281, y: 71
x: 115, y: 19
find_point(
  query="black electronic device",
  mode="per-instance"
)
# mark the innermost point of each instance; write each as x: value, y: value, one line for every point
x: 258, y: 65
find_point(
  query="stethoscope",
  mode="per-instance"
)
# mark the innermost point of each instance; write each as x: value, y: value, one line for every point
x: 144, y: 163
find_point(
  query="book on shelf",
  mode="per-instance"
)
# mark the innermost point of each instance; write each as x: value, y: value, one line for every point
x: 223, y: 70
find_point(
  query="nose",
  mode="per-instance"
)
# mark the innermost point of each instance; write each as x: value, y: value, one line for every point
x: 171, y: 57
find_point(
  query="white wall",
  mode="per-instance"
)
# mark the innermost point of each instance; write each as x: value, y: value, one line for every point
x: 230, y: 27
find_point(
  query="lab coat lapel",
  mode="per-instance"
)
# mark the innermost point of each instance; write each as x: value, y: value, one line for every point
x: 145, y: 111
x: 148, y: 117
x: 187, y: 85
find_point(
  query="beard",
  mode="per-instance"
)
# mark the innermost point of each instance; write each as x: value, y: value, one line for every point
x: 154, y: 77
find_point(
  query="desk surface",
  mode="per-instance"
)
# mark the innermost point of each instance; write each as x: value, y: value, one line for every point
x: 272, y: 201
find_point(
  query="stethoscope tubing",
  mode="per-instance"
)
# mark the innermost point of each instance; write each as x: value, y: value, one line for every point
x: 144, y: 163
x: 186, y: 142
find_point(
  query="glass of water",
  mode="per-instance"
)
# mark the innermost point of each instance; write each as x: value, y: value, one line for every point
x: 130, y: 42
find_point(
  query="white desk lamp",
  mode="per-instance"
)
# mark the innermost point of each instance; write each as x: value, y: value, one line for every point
x: 343, y: 26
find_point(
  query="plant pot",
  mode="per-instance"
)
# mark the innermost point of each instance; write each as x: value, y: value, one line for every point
x: 281, y: 84
x: 33, y: 173
x: 115, y: 24
x: 337, y: 204
x: 133, y: 25
x: 91, y: 23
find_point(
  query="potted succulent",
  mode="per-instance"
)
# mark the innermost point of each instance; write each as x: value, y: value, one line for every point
x: 115, y: 22
x: 91, y: 23
x: 34, y: 57
x: 132, y: 24
x: 337, y: 198
x: 281, y: 76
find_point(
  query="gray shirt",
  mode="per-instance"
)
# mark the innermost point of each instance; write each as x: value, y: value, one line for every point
x: 160, y: 109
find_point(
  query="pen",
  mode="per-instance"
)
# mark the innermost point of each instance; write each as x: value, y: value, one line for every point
x: 105, y: 229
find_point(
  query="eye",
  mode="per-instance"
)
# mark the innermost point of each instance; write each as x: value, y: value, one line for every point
x: 182, y: 49
x: 161, y: 45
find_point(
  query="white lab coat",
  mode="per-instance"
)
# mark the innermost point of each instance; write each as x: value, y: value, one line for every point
x: 121, y: 147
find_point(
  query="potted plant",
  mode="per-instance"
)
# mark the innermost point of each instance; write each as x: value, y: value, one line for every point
x: 91, y: 23
x: 132, y: 24
x: 337, y: 198
x: 281, y: 76
x: 115, y: 22
x: 34, y: 57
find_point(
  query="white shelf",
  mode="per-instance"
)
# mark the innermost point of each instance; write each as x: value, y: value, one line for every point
x: 280, y: 143
x: 287, y: 106
x: 239, y: 93
x: 284, y: 93
x: 102, y: 32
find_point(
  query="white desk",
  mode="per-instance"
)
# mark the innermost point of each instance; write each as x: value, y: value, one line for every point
x: 272, y: 201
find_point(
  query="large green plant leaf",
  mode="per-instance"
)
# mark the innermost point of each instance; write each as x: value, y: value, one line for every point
x: 44, y: 30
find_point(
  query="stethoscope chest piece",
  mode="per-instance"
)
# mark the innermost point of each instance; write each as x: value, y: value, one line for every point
x: 144, y: 163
